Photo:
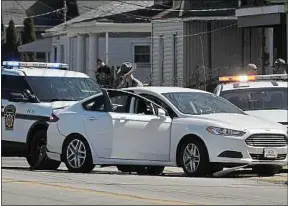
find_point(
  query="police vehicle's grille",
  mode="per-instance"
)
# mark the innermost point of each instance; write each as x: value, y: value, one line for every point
x: 261, y: 157
x: 267, y: 140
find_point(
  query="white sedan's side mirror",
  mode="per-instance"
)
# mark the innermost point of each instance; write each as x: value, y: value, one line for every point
x: 161, y: 112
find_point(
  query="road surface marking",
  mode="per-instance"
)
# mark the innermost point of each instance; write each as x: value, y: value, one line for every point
x: 111, y: 194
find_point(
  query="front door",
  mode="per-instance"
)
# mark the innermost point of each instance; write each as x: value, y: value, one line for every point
x: 16, y: 119
x: 139, y: 134
x: 98, y: 126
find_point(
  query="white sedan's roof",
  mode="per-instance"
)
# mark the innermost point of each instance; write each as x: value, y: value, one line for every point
x: 43, y: 72
x: 256, y: 84
x: 161, y: 90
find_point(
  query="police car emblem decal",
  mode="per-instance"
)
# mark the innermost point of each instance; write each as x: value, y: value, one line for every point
x: 9, y: 114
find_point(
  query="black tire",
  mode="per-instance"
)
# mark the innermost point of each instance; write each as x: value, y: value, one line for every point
x: 266, y: 170
x: 202, y: 168
x: 124, y: 168
x: 86, y: 165
x: 150, y: 170
x: 39, y: 140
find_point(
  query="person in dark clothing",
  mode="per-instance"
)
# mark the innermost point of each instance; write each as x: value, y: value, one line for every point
x: 280, y: 67
x: 103, y: 74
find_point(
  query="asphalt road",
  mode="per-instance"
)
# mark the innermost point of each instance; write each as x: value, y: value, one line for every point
x: 108, y: 186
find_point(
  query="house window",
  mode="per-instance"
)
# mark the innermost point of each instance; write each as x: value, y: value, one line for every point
x: 142, y: 54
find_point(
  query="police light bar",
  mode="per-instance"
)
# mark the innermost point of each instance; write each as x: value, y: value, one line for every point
x: 35, y: 64
x: 237, y: 78
x: 273, y: 77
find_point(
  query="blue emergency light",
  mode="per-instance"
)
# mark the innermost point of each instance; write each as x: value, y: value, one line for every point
x: 15, y: 64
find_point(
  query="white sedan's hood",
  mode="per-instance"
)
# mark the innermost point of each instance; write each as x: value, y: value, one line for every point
x: 237, y: 121
x: 271, y: 115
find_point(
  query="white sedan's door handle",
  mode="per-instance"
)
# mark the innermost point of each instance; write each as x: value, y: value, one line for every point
x: 92, y: 118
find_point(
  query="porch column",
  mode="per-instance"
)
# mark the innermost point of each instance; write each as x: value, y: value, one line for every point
x: 52, y: 54
x: 93, y: 54
x: 47, y: 55
x: 287, y: 30
x: 107, y: 49
x: 81, y: 53
x: 269, y: 48
x: 59, y: 55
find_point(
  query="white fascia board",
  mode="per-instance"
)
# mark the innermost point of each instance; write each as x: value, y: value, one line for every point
x: 51, y: 34
x: 210, y: 18
x: 274, y: 9
x: 100, y: 27
x: 173, y: 20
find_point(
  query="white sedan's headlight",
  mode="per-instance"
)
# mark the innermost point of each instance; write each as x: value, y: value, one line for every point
x: 225, y: 132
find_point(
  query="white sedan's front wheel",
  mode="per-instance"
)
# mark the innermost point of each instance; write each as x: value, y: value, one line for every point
x: 194, y: 158
x: 77, y: 155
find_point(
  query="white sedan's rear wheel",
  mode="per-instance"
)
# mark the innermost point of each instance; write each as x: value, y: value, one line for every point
x: 77, y: 155
x: 194, y: 158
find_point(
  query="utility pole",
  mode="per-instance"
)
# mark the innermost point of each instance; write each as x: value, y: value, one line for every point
x: 65, y: 10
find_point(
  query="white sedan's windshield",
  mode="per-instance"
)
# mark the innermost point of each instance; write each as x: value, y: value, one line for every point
x: 258, y: 98
x: 197, y: 103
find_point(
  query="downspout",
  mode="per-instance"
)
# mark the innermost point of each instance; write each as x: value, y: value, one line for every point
x: 151, y: 54
x: 286, y: 9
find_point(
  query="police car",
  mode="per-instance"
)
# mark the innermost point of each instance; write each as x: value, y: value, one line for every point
x: 31, y: 91
x: 265, y: 96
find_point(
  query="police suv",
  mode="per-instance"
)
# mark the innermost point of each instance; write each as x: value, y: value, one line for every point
x: 31, y: 91
x: 265, y: 96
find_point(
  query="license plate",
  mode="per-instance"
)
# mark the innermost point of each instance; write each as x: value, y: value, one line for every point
x: 270, y: 153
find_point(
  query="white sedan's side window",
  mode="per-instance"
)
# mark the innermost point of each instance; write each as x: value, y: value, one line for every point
x: 120, y: 101
x: 143, y: 107
x: 96, y: 104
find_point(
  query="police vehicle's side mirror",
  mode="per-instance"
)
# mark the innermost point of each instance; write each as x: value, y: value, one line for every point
x: 18, y: 97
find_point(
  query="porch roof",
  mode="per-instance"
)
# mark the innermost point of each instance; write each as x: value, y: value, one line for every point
x: 43, y: 45
x: 102, y: 27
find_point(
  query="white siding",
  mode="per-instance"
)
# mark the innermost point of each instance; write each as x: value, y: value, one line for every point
x: 163, y: 73
x: 121, y: 50
x: 57, y: 41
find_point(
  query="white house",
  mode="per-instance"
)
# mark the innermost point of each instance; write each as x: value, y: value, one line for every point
x: 115, y: 32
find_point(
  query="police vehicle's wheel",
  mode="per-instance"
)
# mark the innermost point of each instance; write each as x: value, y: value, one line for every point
x: 39, y: 141
x: 194, y: 158
x: 77, y: 155
x: 150, y: 170
x: 266, y: 170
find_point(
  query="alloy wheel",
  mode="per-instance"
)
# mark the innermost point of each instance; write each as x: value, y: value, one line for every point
x: 76, y: 153
x: 191, y: 158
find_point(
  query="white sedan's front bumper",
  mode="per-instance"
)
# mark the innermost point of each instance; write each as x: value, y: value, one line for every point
x: 234, y: 150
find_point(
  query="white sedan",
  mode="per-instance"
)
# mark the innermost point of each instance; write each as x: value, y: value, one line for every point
x: 179, y: 127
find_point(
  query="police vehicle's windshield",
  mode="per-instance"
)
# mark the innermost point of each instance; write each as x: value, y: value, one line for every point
x: 258, y: 98
x: 196, y: 103
x: 49, y: 89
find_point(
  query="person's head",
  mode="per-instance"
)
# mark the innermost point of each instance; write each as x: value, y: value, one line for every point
x: 280, y: 65
x: 125, y: 68
x: 100, y: 62
x: 252, y: 68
